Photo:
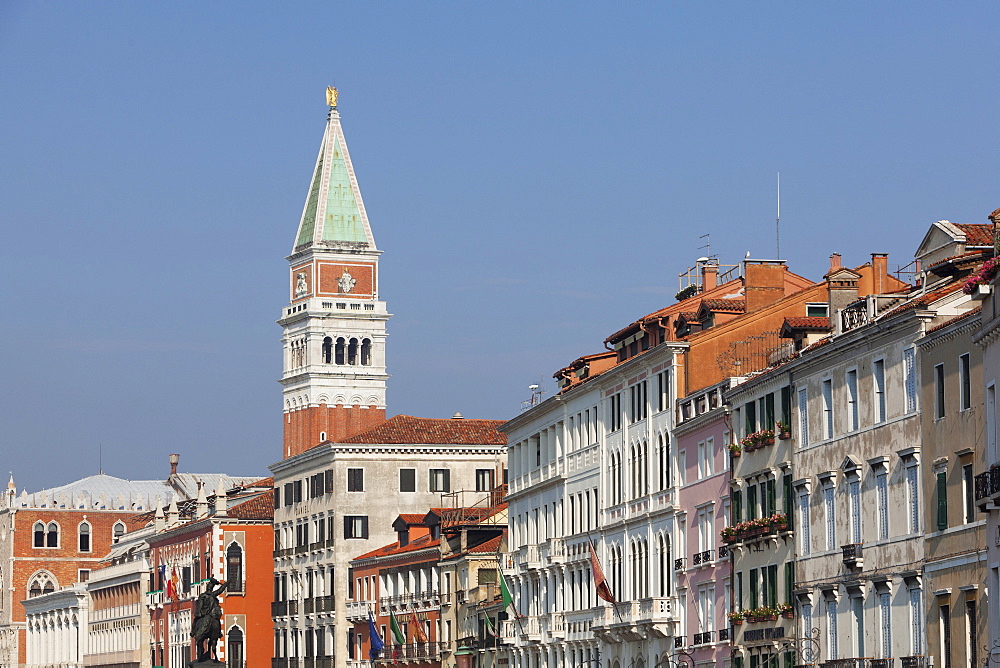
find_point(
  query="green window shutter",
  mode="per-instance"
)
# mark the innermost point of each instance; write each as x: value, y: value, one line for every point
x: 752, y: 502
x: 768, y: 417
x: 737, y: 507
x: 786, y: 404
x: 942, y: 501
x: 787, y: 498
x: 750, y: 410
x: 753, y: 588
x: 772, y: 502
x: 789, y: 582
x: 739, y: 591
x: 772, y: 585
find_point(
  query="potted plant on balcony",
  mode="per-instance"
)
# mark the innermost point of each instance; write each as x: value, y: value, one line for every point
x: 736, y: 617
x: 769, y: 614
x: 784, y: 430
x: 786, y: 610
x: 978, y: 285
x: 749, y: 442
x: 734, y: 449
x: 778, y: 521
x: 728, y: 534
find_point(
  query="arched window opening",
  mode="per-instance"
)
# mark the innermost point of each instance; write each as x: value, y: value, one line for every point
x: 41, y: 584
x: 327, y: 350
x: 117, y: 532
x: 352, y: 352
x: 52, y: 535
x: 234, y: 568
x: 366, y: 352
x: 339, y: 352
x: 39, y: 534
x: 84, y: 537
x: 234, y: 655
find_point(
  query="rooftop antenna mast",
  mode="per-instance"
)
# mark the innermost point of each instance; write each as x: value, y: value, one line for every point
x: 707, y: 245
x: 777, y: 222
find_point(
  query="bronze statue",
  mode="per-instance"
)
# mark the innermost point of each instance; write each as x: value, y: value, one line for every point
x: 207, y: 624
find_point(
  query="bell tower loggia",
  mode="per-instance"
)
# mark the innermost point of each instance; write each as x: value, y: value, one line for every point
x: 334, y: 374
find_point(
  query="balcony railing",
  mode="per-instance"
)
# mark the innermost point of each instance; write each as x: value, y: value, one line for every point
x: 920, y: 661
x: 723, y: 552
x: 679, y: 564
x: 279, y: 662
x: 279, y: 608
x: 844, y: 663
x: 308, y: 605
x: 880, y: 663
x: 852, y: 553
x: 724, y: 635
x: 702, y: 557
x: 679, y: 641
x: 987, y: 486
x: 703, y: 638
x: 427, y: 651
x: 293, y: 607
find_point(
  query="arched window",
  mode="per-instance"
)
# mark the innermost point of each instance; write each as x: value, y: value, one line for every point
x: 234, y: 655
x: 234, y: 568
x: 84, y: 537
x: 41, y: 583
x: 352, y: 352
x: 52, y: 535
x: 339, y: 352
x: 327, y: 350
x: 366, y: 352
x: 117, y: 532
x: 39, y: 534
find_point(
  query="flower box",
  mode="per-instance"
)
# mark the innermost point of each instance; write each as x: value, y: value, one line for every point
x: 788, y: 614
x: 981, y: 291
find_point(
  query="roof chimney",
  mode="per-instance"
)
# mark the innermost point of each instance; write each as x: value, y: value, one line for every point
x: 174, y: 459
x: 457, y: 416
x: 880, y: 271
x: 709, y: 275
x: 835, y: 262
x: 764, y: 283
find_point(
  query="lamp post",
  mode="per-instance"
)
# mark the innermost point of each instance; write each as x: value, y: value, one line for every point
x: 463, y: 655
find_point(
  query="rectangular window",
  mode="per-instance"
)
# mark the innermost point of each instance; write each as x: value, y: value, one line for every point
x: 945, y: 611
x: 854, y: 422
x: 854, y: 491
x: 737, y: 506
x: 971, y: 622
x: 789, y: 584
x: 770, y: 498
x: 484, y: 480
x: 939, y: 391
x: 804, y: 522
x: 83, y: 575
x: 750, y: 412
x: 991, y: 423
x: 831, y: 519
x: 786, y: 405
x: 803, y: 418
x: 752, y: 502
x: 913, y: 500
x: 297, y: 490
x: 739, y: 591
x: 439, y: 480
x: 407, y: 480
x: 916, y: 623
x: 882, y: 490
x: 858, y: 611
x: 328, y: 481
x: 828, y: 408
x: 787, y: 499
x: 355, y: 526
x: 968, y: 492
x: 771, y: 588
x: 754, y: 585
x: 885, y: 622
x: 964, y: 382
x: 831, y: 628
x: 878, y: 377
x: 355, y: 480
x: 942, y: 501
x: 768, y: 416
x: 910, y: 378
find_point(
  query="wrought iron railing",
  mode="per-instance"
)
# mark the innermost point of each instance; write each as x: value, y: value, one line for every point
x: 702, y: 557
x: 919, y: 661
x: 703, y: 638
x: 723, y: 552
x: 880, y: 663
x: 679, y: 564
x: 852, y: 553
x: 724, y: 635
x: 987, y: 484
x: 679, y: 641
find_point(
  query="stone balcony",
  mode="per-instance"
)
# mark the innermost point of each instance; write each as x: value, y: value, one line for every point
x: 635, y: 620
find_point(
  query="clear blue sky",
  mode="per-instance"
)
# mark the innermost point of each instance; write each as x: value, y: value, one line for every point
x: 536, y: 173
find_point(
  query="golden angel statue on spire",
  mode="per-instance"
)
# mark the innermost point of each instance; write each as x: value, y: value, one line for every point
x: 331, y: 96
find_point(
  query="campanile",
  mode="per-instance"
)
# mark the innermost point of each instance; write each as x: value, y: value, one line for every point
x: 333, y: 335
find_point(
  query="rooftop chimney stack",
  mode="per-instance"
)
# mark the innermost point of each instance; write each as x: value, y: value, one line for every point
x: 709, y: 275
x: 835, y: 262
x: 880, y: 271
x: 174, y: 460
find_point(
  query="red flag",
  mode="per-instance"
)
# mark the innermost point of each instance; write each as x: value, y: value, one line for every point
x: 601, y: 582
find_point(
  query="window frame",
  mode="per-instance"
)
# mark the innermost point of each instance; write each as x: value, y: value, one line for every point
x: 443, y: 486
x: 413, y: 485
x: 355, y: 479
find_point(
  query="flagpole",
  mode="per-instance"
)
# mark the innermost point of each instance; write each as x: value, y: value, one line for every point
x: 503, y: 585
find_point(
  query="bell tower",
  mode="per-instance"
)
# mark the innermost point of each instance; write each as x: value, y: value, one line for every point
x: 333, y: 335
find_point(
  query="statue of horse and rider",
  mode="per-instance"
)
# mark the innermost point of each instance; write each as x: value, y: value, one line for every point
x: 206, y: 628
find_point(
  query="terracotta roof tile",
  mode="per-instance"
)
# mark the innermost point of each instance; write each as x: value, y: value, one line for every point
x: 413, y: 518
x: 409, y: 429
x: 977, y: 234
x: 813, y: 322
x: 263, y: 482
x: 415, y: 545
x: 260, y: 507
x: 968, y: 314
x: 492, y: 545
x: 728, y: 305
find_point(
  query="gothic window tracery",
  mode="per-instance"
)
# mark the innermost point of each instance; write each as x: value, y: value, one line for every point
x: 41, y: 583
x: 117, y: 532
x: 84, y: 537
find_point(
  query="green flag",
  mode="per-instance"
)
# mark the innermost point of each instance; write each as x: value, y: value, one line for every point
x: 508, y: 600
x: 397, y: 633
x: 492, y: 630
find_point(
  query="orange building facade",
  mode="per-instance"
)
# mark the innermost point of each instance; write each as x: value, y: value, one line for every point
x: 229, y: 542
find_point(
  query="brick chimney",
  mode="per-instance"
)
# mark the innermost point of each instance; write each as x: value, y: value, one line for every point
x: 709, y: 276
x: 880, y: 272
x: 835, y: 262
x: 174, y: 459
x: 764, y: 284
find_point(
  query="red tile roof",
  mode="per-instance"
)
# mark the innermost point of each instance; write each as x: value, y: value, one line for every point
x: 263, y: 482
x: 492, y: 545
x: 260, y: 507
x: 813, y: 322
x: 413, y: 430
x: 728, y: 305
x: 968, y: 314
x: 413, y: 518
x: 977, y: 234
x: 415, y: 545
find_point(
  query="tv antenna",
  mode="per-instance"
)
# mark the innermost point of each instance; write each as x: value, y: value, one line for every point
x: 777, y: 222
x: 707, y: 245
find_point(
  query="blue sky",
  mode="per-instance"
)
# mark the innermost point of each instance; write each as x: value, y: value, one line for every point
x: 536, y: 173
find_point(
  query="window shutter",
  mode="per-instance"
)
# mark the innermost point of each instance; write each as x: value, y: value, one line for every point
x: 789, y: 582
x: 786, y: 404
x: 288, y: 494
x: 297, y: 486
x: 364, y: 527
x: 942, y: 501
x: 347, y: 527
x: 787, y: 499
x: 328, y: 475
x: 447, y: 480
x: 772, y: 503
x: 737, y: 507
x: 277, y: 498
x: 803, y: 418
x: 909, y: 368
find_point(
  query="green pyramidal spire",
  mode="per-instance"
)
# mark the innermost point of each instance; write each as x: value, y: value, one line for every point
x: 334, y: 214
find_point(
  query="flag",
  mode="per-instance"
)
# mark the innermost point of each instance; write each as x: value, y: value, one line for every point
x: 601, y: 582
x: 418, y: 629
x: 492, y: 630
x: 172, y: 584
x: 375, y: 640
x: 397, y: 633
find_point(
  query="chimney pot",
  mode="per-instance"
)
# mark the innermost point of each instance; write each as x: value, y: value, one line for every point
x: 835, y: 261
x: 174, y: 460
x: 709, y: 275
